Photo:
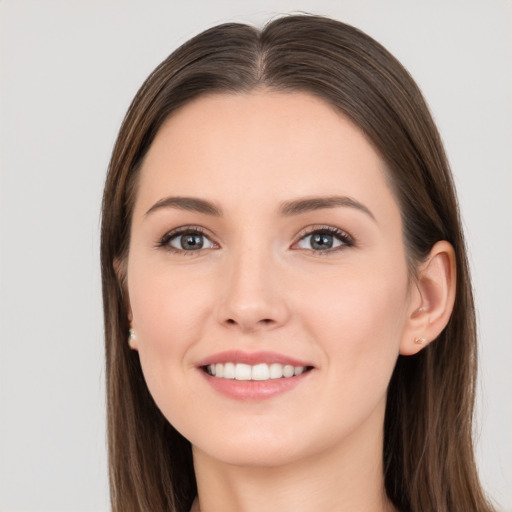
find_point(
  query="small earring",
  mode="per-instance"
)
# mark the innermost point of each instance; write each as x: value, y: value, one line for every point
x: 131, y: 338
x: 420, y: 340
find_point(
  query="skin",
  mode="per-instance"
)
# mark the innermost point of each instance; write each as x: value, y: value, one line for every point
x: 259, y: 285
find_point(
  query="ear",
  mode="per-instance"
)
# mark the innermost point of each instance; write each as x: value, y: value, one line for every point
x: 432, y: 299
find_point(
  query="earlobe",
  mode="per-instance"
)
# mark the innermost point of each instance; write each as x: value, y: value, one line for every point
x: 132, y: 339
x: 434, y: 297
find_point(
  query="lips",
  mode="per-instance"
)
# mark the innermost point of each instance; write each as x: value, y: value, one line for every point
x: 252, y: 358
x: 253, y: 375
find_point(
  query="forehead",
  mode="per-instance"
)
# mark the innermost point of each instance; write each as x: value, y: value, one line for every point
x: 266, y: 146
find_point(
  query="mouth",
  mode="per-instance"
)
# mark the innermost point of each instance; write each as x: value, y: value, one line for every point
x: 258, y: 372
x: 253, y: 376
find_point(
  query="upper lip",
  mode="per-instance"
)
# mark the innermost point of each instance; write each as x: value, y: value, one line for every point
x: 251, y: 358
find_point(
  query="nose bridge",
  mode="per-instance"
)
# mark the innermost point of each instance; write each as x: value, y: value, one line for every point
x: 252, y: 297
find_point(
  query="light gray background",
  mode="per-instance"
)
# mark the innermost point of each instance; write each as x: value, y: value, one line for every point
x: 68, y: 72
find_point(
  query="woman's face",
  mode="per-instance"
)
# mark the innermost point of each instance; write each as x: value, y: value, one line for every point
x: 265, y: 242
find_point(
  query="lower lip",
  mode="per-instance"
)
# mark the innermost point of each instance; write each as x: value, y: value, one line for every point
x: 254, y: 390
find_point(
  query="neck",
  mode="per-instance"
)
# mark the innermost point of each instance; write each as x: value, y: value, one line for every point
x: 347, y: 478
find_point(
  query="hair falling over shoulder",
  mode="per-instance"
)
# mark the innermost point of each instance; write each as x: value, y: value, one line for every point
x: 428, y: 449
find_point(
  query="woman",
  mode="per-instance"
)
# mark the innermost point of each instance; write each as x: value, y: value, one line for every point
x: 288, y: 308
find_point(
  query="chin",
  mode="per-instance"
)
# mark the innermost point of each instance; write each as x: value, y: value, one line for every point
x: 265, y: 445
x: 252, y: 455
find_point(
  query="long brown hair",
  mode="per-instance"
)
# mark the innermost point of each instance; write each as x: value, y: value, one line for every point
x: 428, y: 453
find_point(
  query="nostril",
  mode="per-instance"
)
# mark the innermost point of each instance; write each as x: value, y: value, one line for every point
x: 264, y: 321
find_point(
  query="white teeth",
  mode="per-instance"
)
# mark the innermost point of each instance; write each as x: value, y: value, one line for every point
x: 262, y: 371
x: 229, y: 371
x: 288, y: 370
x: 276, y: 371
x: 242, y: 371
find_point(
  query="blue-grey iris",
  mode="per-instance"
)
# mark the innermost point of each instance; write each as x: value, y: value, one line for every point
x: 322, y: 241
x: 191, y: 242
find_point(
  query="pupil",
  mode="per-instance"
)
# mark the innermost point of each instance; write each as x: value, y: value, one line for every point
x: 192, y: 242
x: 321, y: 241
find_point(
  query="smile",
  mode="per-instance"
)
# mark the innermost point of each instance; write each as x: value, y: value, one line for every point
x: 254, y: 376
x: 258, y: 372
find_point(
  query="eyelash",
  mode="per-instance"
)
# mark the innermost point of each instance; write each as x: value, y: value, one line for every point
x: 164, y: 243
x: 345, y: 239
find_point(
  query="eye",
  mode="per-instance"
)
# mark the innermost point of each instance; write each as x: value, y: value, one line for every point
x: 325, y: 239
x: 186, y: 240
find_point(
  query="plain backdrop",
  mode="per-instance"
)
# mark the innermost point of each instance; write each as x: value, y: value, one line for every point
x: 68, y: 71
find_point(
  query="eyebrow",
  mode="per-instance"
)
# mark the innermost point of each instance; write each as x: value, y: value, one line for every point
x: 317, y: 203
x: 288, y: 208
x: 192, y: 204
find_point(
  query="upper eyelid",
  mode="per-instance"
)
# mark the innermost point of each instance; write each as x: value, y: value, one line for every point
x: 163, y: 240
x: 309, y: 230
x: 185, y: 229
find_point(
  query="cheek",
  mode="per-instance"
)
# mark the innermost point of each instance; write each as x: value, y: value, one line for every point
x: 169, y: 316
x: 358, y: 318
x: 170, y: 313
x: 356, y: 321
x: 167, y: 304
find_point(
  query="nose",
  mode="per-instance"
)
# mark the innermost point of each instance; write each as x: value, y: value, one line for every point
x: 252, y: 296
